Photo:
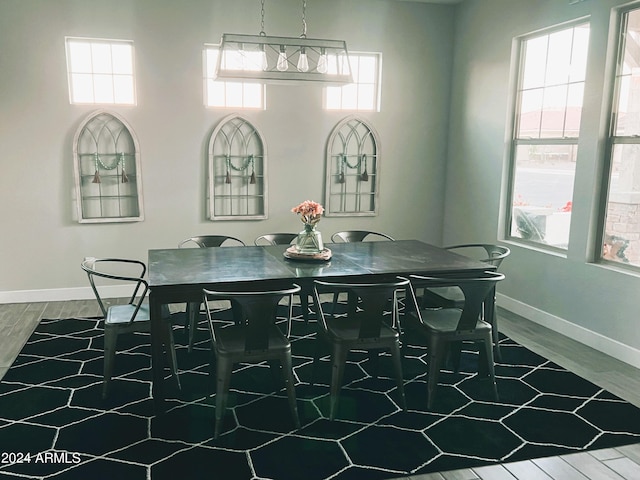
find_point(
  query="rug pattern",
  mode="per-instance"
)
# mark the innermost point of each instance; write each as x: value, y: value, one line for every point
x: 51, y: 410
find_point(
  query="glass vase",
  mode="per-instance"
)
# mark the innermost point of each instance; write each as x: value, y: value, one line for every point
x: 309, y: 241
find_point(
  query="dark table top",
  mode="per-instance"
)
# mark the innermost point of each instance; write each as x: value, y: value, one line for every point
x: 188, y: 268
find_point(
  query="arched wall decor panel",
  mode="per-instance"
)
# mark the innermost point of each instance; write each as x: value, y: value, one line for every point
x: 237, y: 183
x: 352, y: 169
x: 107, y: 170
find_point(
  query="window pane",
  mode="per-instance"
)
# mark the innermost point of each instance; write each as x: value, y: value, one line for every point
x: 554, y: 109
x: 103, y: 88
x: 80, y: 57
x: 628, y: 80
x: 622, y: 226
x: 542, y: 193
x: 535, y: 56
x: 101, y: 56
x: 559, y: 57
x: 530, y: 113
x: 123, y: 89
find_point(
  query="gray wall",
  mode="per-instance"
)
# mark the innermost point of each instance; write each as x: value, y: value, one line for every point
x: 445, y: 95
x: 42, y: 245
x: 593, y: 303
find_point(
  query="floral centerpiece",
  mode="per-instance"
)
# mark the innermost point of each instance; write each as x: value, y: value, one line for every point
x: 309, y: 241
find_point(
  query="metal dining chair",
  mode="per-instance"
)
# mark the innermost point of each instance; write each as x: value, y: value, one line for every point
x: 287, y: 239
x: 452, y: 297
x: 125, y: 318
x: 254, y: 340
x: 275, y: 239
x: 446, y: 328
x: 348, y: 236
x: 202, y: 241
x: 367, y: 327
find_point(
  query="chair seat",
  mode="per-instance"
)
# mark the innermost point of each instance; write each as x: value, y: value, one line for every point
x: 445, y: 320
x: 231, y: 340
x: 346, y: 330
x: 121, y: 315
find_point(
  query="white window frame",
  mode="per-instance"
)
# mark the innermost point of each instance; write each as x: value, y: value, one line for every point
x: 230, y: 90
x: 609, y: 244
x: 101, y: 79
x: 516, y: 141
x: 350, y: 94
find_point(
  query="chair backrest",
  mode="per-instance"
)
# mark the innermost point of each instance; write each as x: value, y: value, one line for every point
x: 348, y: 236
x: 475, y: 291
x: 208, y: 241
x: 259, y: 312
x: 485, y: 252
x: 114, y: 269
x: 374, y: 300
x: 275, y: 239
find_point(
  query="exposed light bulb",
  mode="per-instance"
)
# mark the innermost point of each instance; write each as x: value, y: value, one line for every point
x: 263, y: 58
x: 303, y: 61
x: 322, y: 66
x: 282, y: 64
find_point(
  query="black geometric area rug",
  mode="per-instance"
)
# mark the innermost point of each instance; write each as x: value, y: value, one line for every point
x: 55, y: 425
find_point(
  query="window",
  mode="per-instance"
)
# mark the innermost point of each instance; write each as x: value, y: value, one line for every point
x: 229, y: 94
x: 544, y: 146
x: 621, y: 238
x: 100, y: 71
x: 363, y: 94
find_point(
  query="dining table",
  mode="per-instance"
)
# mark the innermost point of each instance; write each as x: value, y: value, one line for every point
x: 179, y: 275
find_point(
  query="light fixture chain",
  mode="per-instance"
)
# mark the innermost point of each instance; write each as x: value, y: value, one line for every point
x: 262, y: 18
x: 304, y: 19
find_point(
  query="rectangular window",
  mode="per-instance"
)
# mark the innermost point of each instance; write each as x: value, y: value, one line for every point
x: 621, y: 236
x: 552, y: 68
x: 364, y: 93
x: 229, y: 94
x: 100, y: 71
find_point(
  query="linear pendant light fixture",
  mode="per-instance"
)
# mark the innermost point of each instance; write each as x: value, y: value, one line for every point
x: 263, y: 58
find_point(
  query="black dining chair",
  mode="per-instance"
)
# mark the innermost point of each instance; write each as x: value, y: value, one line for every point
x: 447, y: 297
x: 254, y: 340
x: 287, y: 239
x: 371, y: 326
x: 348, y: 236
x: 275, y: 239
x: 446, y: 328
x: 203, y: 241
x: 130, y: 317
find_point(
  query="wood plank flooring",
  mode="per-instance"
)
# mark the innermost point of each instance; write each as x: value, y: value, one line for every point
x: 17, y: 322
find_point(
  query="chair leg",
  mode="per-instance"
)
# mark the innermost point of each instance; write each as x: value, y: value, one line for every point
x: 110, y: 340
x: 488, y: 348
x: 171, y: 352
x: 397, y: 363
x: 287, y: 372
x: 304, y: 305
x: 223, y: 377
x: 435, y: 359
x: 338, y: 360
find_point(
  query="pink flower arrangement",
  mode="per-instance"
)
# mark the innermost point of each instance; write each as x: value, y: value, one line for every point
x: 310, y: 212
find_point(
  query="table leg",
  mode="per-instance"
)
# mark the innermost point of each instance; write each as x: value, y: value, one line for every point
x: 157, y: 356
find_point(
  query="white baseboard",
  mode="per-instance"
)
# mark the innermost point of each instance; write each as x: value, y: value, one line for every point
x: 595, y: 340
x: 62, y: 294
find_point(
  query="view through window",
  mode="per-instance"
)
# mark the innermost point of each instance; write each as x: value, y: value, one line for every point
x: 100, y: 71
x: 621, y: 242
x: 545, y: 142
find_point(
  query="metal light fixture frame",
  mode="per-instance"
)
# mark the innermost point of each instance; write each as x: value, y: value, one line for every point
x: 257, y: 58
